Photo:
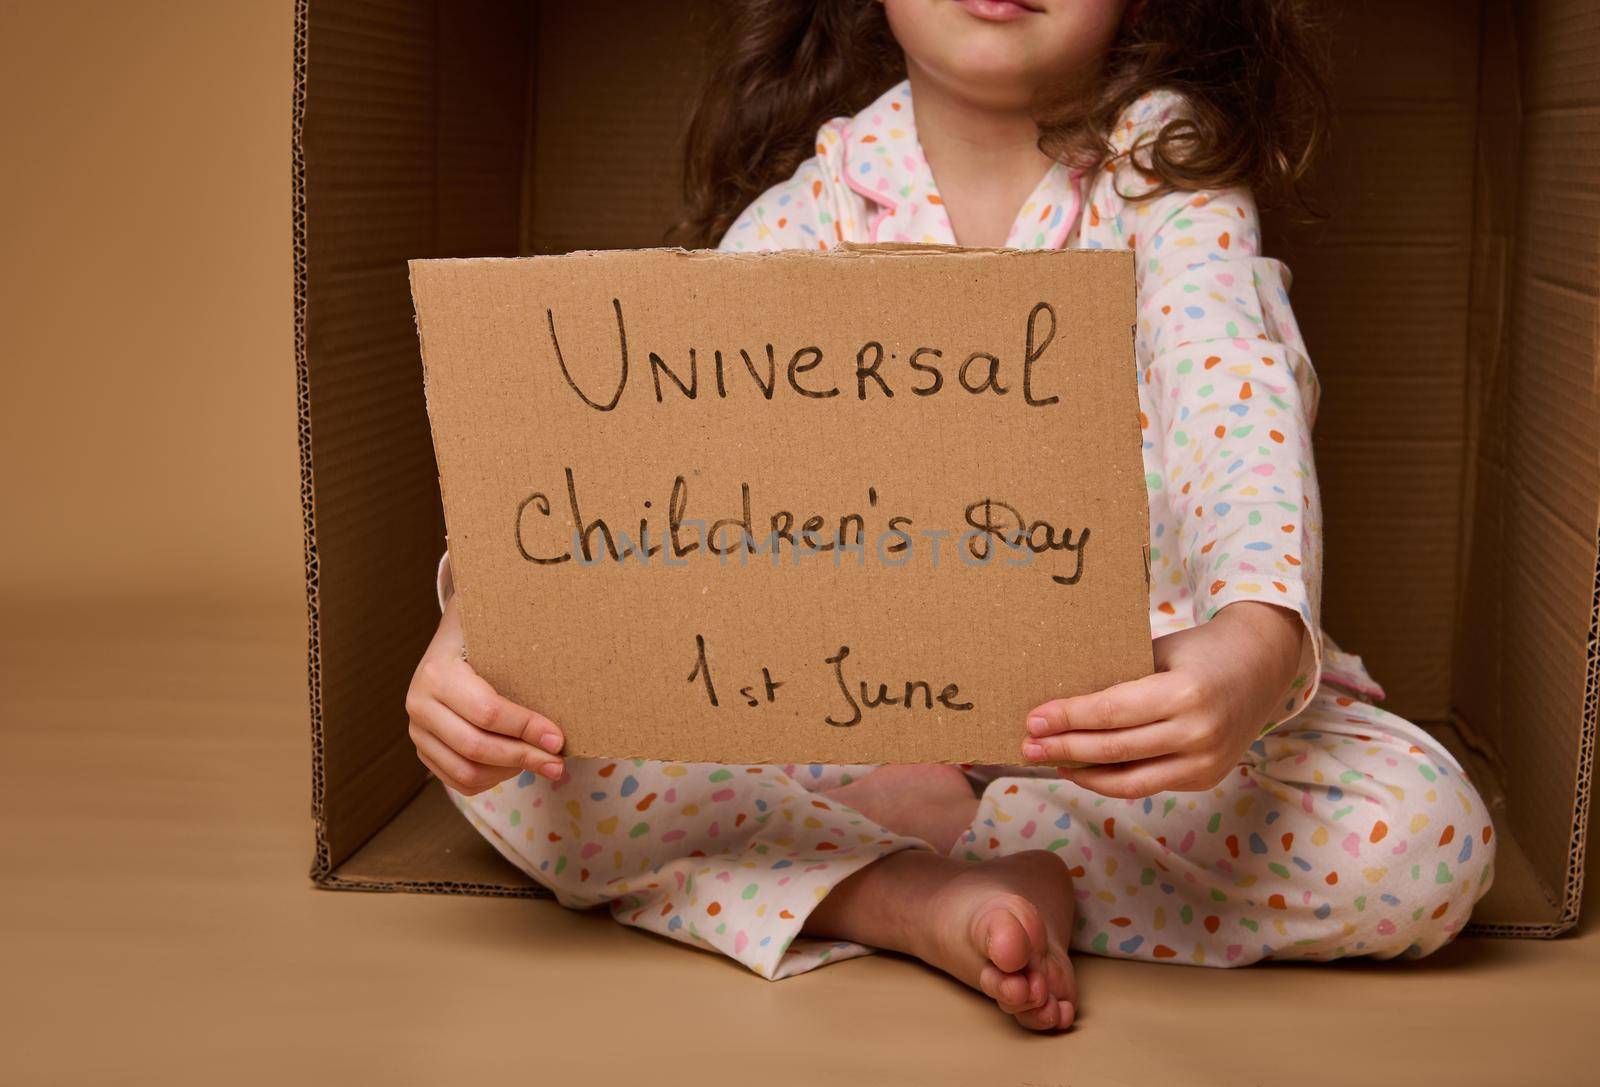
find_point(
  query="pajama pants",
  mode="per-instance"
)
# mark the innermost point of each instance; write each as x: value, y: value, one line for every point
x: 1349, y: 831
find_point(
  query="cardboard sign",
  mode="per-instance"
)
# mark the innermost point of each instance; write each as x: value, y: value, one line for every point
x: 863, y: 506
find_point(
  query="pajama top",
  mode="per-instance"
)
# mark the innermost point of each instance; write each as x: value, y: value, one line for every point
x: 1227, y: 393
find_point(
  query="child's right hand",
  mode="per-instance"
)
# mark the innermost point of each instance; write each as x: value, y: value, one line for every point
x: 470, y: 736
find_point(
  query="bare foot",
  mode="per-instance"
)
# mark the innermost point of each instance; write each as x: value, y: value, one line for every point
x: 928, y: 801
x: 1001, y: 926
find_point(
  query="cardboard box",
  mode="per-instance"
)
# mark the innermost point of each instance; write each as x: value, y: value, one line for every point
x: 1450, y: 304
x: 864, y: 506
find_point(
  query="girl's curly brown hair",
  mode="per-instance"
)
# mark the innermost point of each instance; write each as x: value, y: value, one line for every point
x: 1254, y: 73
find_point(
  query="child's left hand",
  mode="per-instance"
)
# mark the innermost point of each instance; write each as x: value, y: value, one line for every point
x: 1185, y: 727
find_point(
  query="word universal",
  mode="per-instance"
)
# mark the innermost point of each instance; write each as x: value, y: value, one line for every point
x: 870, y: 371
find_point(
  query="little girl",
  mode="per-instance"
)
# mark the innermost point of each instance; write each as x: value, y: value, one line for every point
x: 1245, y: 802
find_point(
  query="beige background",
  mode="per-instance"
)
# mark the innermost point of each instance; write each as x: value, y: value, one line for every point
x: 149, y: 409
x: 156, y: 922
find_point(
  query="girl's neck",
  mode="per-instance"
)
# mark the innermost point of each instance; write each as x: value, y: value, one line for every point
x: 985, y: 159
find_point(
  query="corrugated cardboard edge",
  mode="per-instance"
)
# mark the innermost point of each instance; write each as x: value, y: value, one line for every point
x: 843, y: 251
x: 1577, y: 847
x: 321, y: 863
x: 430, y: 887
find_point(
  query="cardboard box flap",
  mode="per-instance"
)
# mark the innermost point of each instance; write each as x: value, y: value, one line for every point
x: 400, y: 149
x: 1532, y: 582
x: 1394, y: 249
x: 1479, y: 647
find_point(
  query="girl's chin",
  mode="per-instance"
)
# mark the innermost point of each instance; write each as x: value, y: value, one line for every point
x: 984, y: 77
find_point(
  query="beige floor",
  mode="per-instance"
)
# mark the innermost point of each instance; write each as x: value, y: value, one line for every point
x: 159, y: 927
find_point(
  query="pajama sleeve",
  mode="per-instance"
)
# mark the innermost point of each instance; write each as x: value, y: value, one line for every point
x: 1227, y: 393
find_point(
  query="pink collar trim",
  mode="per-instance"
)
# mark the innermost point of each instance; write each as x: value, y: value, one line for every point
x: 882, y: 161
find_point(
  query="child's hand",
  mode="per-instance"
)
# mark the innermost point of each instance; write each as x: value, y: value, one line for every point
x: 1185, y: 727
x: 465, y: 732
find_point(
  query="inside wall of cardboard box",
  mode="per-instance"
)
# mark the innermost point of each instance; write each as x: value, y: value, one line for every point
x: 1450, y: 302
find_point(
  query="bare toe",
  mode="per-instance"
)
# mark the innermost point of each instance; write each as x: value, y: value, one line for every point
x: 1061, y: 980
x: 1009, y: 933
x: 1014, y: 993
x: 1051, y: 1015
